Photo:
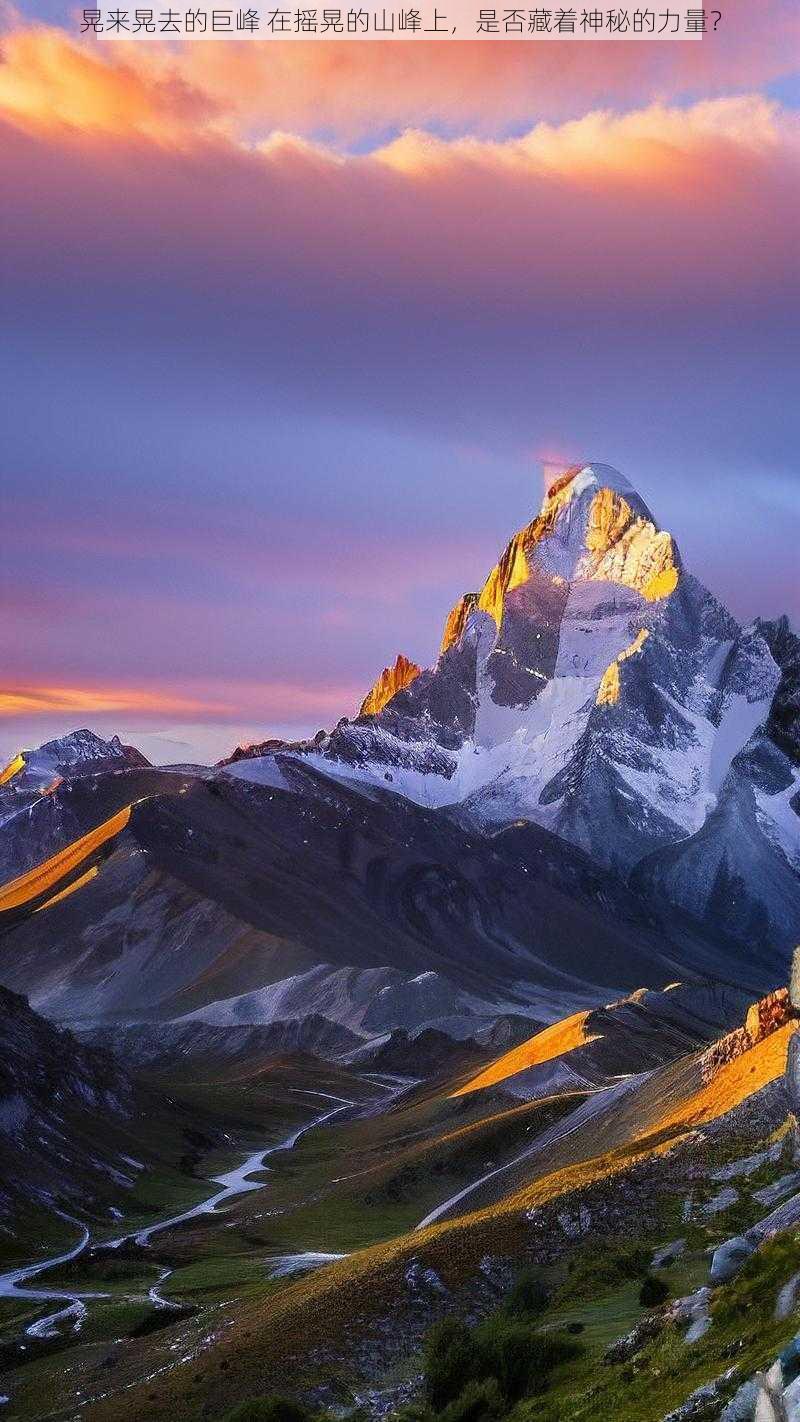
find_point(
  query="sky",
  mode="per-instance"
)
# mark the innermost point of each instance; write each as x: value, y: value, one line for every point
x: 289, y: 330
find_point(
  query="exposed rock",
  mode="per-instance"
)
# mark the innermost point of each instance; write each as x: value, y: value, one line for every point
x: 742, y: 1405
x: 747, y: 1165
x: 763, y: 1018
x: 609, y: 688
x: 771, y: 1194
x: 423, y: 1280
x: 625, y: 1348
x: 703, y: 1404
x: 391, y: 680
x: 770, y: 1406
x: 729, y: 1257
x: 787, y: 1298
x: 722, y: 1201
x: 692, y: 1309
x: 457, y: 620
x: 666, y: 1254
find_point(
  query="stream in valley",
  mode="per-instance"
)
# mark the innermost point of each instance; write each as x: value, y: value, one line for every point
x: 233, y: 1183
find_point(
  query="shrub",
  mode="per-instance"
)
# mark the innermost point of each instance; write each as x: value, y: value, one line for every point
x: 598, y: 1271
x: 414, y: 1412
x: 653, y: 1291
x: 518, y: 1358
x: 269, y: 1409
x: 528, y: 1296
x: 502, y: 1354
x: 506, y: 1352
x: 479, y: 1402
x: 451, y: 1361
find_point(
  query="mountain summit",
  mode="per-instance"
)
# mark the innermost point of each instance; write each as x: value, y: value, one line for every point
x: 595, y: 687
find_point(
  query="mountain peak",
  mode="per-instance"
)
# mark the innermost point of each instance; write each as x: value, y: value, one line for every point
x: 588, y: 473
x: 77, y: 752
x: 592, y: 527
x: 391, y: 680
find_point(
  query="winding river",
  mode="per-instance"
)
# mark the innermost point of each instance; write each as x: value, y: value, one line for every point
x: 232, y: 1184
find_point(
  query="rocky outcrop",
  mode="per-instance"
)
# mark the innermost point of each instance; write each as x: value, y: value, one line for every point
x: 624, y: 548
x: 768, y: 1014
x: 36, y: 774
x: 457, y: 620
x: 764, y: 1017
x: 79, y: 753
x: 391, y: 680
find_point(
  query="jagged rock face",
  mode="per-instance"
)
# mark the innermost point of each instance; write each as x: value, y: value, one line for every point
x: 595, y: 687
x: 763, y: 1018
x: 457, y: 620
x: 37, y: 1060
x: 783, y: 723
x: 391, y: 680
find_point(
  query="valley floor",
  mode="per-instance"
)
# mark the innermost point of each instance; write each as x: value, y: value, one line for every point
x: 402, y: 1202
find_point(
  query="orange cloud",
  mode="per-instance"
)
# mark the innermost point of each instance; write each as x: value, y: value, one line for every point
x: 352, y: 89
x: 47, y: 81
x: 44, y: 700
x: 678, y: 194
x: 292, y: 701
x: 652, y: 146
x: 51, y: 78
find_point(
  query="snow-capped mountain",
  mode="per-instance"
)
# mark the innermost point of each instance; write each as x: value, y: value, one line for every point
x: 595, y: 687
x: 79, y: 753
x: 595, y: 789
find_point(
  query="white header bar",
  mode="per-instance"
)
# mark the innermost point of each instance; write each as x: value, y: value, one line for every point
x: 446, y: 20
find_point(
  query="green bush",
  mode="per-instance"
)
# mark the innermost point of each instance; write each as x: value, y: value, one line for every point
x: 518, y: 1358
x: 653, y: 1291
x: 269, y: 1409
x: 505, y: 1347
x: 414, y: 1412
x: 598, y: 1271
x: 479, y: 1402
x: 503, y: 1357
x: 528, y: 1296
x: 451, y: 1361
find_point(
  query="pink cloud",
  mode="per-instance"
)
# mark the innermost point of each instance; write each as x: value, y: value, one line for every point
x: 677, y: 201
x: 52, y: 78
x: 281, y: 701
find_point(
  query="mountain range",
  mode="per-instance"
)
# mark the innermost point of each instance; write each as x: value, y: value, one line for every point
x: 594, y: 789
